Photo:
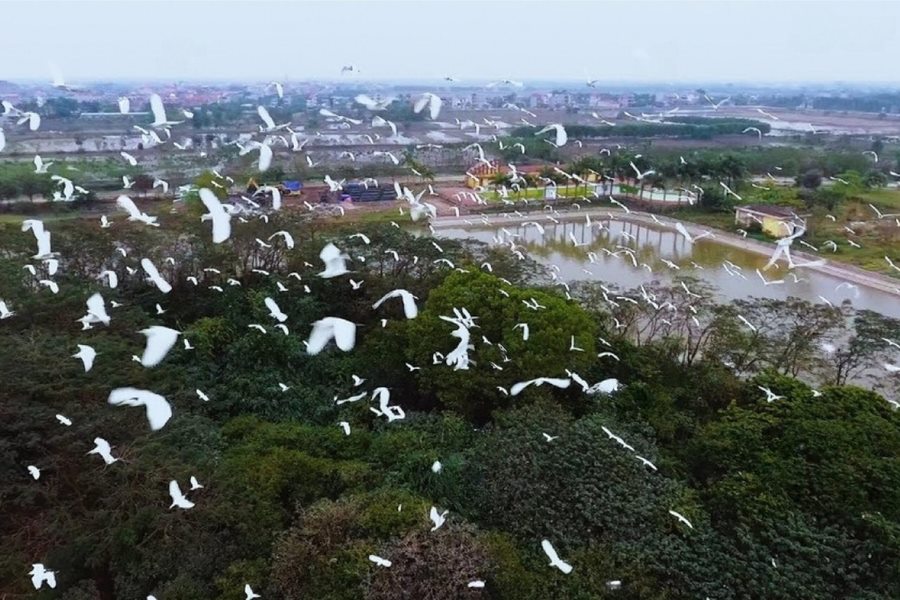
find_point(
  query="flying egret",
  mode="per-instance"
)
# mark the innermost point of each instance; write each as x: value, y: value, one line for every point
x: 41, y: 575
x: 274, y: 311
x: 128, y: 205
x: 518, y: 387
x: 178, y: 498
x: 103, y: 448
x: 432, y: 101
x: 34, y: 472
x: 158, y: 409
x: 154, y: 277
x: 410, y: 310
x: 681, y: 518
x: 343, y: 332
x: 159, y: 112
x: 555, y: 561
x: 159, y: 341
x: 87, y: 355
x: 335, y: 262
x: 561, y: 135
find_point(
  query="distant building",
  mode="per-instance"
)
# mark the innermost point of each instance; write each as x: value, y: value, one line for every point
x: 776, y: 221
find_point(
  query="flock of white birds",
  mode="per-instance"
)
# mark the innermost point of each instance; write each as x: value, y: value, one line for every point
x: 160, y: 339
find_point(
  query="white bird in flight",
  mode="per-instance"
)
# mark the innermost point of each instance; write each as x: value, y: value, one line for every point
x: 87, y: 355
x: 159, y: 112
x: 555, y: 560
x: 41, y: 575
x: 158, y: 409
x: 432, y: 101
x: 410, y: 310
x: 561, y: 136
x: 681, y: 518
x: 103, y: 448
x: 178, y: 498
x: 221, y: 219
x: 343, y: 332
x: 159, y: 341
x: 335, y: 262
x: 274, y: 311
x: 518, y: 387
x: 154, y: 277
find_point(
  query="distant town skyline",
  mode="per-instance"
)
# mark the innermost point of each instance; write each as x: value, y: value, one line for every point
x: 664, y: 42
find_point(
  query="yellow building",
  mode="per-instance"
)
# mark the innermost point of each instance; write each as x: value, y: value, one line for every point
x: 776, y: 221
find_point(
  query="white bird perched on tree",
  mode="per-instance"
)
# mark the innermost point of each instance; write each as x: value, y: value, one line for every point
x: 437, y: 518
x: 221, y: 218
x: 87, y: 355
x: 381, y: 562
x: 409, y: 302
x: 41, y: 575
x: 158, y: 409
x: 154, y: 277
x: 103, y: 448
x: 159, y: 112
x: 343, y: 332
x: 372, y: 104
x: 556, y: 382
x: 178, y: 498
x: 274, y: 311
x: 432, y: 101
x: 561, y: 136
x: 555, y: 560
x: 335, y: 262
x: 128, y: 205
x: 159, y: 341
x: 681, y: 518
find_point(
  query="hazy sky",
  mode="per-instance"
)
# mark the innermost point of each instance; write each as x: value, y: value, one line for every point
x: 666, y: 41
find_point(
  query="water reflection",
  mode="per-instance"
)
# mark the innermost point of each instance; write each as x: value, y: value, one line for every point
x: 652, y: 245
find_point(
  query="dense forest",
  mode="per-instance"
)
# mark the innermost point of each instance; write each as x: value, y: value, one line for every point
x: 675, y: 454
